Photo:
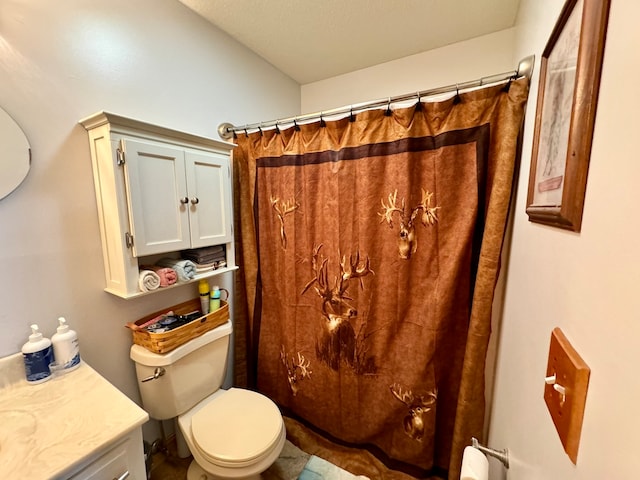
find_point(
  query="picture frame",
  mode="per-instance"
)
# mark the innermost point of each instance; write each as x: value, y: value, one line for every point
x: 570, y: 70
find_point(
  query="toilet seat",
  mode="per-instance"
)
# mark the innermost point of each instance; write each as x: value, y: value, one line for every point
x: 236, y: 428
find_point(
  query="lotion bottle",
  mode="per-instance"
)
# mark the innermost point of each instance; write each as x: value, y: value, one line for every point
x: 65, y: 347
x: 38, y: 355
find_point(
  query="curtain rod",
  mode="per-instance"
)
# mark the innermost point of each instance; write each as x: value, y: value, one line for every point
x: 525, y: 69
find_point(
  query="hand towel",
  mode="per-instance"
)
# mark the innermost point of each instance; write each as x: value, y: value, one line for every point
x: 168, y: 276
x: 148, y: 280
x: 205, y: 255
x: 185, y: 269
x: 200, y: 268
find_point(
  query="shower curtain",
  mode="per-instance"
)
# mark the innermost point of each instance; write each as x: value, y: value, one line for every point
x: 369, y: 249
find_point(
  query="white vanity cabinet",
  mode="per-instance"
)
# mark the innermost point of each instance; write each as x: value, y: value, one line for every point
x: 158, y: 191
x: 124, y: 460
x: 76, y: 426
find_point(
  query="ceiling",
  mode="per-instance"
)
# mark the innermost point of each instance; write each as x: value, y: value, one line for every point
x: 311, y: 40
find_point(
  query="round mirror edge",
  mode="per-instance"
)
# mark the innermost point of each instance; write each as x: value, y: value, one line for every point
x: 15, y: 154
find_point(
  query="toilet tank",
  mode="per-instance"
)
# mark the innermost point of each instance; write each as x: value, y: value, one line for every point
x: 192, y: 372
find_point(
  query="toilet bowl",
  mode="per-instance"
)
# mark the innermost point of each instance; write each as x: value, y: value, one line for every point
x: 234, y: 433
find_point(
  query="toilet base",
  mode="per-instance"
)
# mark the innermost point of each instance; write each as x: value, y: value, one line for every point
x: 196, y: 472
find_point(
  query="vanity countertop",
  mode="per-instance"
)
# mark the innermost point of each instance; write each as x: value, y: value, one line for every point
x: 48, y: 429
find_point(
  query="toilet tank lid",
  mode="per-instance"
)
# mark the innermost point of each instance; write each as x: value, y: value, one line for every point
x: 142, y: 356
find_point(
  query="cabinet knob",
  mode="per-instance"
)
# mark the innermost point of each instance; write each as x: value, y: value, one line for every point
x: 195, y: 200
x: 184, y: 200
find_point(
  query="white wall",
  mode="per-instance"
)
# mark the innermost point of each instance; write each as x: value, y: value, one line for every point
x: 156, y: 61
x: 153, y: 60
x: 456, y: 63
x: 585, y: 283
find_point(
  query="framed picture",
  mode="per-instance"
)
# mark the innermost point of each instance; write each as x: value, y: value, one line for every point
x: 567, y: 98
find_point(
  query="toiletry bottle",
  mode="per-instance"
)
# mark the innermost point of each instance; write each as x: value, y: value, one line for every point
x: 203, y: 289
x: 65, y: 347
x: 38, y: 355
x: 215, y: 299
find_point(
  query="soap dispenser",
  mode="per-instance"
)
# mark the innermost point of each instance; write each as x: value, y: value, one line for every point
x: 65, y: 347
x: 38, y: 355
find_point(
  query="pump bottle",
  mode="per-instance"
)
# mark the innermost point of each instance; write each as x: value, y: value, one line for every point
x: 38, y: 355
x: 65, y: 347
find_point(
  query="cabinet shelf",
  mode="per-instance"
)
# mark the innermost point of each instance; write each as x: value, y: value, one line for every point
x: 195, y: 279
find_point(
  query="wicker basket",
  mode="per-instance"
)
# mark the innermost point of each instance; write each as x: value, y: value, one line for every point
x: 166, y: 341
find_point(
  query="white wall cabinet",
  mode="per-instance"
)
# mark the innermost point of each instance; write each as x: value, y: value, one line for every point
x: 178, y: 198
x: 158, y: 191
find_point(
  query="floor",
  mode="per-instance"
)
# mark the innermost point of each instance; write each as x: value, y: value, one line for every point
x: 301, y: 444
x: 288, y: 466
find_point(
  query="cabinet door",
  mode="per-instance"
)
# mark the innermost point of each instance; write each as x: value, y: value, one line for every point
x: 209, y: 187
x: 157, y: 197
x: 113, y: 464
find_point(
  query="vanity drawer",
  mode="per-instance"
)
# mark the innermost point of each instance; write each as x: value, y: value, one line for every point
x: 113, y: 465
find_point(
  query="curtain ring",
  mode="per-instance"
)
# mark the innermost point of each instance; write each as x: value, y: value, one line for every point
x: 352, y: 117
x: 295, y: 125
x: 277, y: 127
x: 419, y: 104
x: 246, y: 134
x: 322, y: 122
x: 507, y: 85
x: 457, y: 99
x: 260, y: 129
x: 387, y: 112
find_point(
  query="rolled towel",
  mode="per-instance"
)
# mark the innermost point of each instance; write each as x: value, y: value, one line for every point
x: 185, y: 269
x: 168, y: 276
x: 148, y: 280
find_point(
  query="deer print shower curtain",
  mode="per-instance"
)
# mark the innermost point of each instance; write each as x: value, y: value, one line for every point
x: 369, y: 249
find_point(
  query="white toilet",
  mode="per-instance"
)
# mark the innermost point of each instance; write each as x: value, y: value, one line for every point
x: 231, y: 433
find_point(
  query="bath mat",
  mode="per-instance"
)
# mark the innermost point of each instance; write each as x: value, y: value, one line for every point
x: 319, y: 469
x: 288, y: 465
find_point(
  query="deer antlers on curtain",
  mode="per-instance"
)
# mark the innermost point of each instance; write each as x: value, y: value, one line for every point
x: 335, y: 307
x: 296, y: 370
x: 418, y: 406
x: 339, y: 340
x: 282, y: 209
x: 408, y: 241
